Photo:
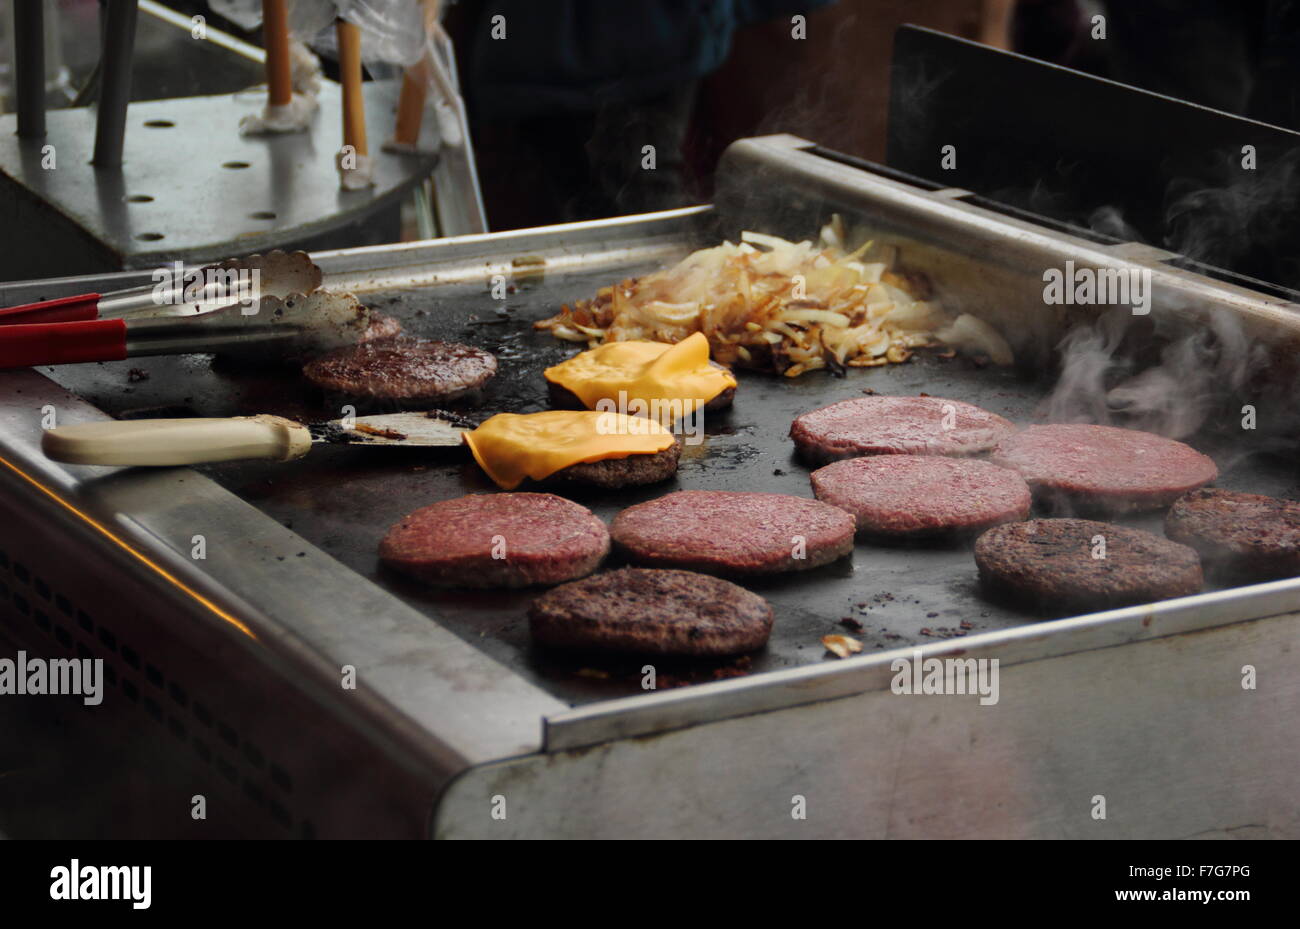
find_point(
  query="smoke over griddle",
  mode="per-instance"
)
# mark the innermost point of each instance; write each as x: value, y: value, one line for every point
x: 1122, y: 371
x: 1245, y: 220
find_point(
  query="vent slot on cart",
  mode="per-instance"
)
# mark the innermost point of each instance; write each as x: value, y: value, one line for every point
x: 28, y: 599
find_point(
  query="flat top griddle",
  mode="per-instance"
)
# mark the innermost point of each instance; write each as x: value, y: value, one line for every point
x: 342, y: 499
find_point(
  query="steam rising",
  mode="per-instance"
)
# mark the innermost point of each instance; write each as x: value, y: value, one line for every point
x: 1105, y: 379
x: 1110, y: 371
x: 1244, y: 224
x: 1108, y: 220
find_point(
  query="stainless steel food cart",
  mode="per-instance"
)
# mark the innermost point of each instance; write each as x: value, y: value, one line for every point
x: 240, y: 660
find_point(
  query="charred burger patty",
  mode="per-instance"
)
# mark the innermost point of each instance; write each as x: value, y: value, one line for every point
x: 1240, y: 536
x: 652, y: 612
x: 403, y: 369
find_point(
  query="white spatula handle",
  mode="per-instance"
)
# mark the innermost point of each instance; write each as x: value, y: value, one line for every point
x: 177, y: 441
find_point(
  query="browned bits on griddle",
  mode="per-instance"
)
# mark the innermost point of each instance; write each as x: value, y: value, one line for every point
x: 842, y: 646
x: 381, y: 433
x: 459, y: 420
x: 740, y: 667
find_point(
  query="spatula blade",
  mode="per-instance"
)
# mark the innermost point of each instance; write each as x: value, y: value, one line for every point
x: 410, y: 429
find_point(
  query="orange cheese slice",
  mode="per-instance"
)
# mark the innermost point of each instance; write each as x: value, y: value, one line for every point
x: 654, y: 379
x: 511, y: 446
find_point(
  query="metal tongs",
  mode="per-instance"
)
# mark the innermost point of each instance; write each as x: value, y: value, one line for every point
x: 279, y: 274
x: 292, y: 317
x: 299, y: 324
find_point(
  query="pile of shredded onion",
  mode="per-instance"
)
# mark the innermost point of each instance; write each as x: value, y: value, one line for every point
x: 781, y: 306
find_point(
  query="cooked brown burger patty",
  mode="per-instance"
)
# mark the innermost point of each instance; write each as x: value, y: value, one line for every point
x: 905, y: 496
x: 403, y: 369
x: 896, y: 426
x: 1245, y: 537
x: 1103, y: 468
x: 652, y: 612
x: 730, y: 532
x: 497, y: 540
x: 1053, y: 563
x: 630, y: 471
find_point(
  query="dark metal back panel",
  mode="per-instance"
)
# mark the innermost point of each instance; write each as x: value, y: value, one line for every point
x: 1100, y: 155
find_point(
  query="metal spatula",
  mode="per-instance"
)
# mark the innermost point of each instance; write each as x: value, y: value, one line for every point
x: 200, y: 441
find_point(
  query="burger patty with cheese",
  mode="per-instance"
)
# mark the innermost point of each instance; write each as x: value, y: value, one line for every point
x: 658, y: 380
x: 602, y: 449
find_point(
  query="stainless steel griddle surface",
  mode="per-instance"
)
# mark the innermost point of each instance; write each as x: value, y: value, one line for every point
x: 342, y: 499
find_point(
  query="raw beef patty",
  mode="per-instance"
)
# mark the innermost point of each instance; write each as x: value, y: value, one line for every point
x: 903, y: 496
x: 497, y: 540
x: 1104, y: 468
x: 730, y: 532
x: 896, y: 426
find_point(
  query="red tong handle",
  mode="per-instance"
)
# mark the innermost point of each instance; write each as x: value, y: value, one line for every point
x: 63, y: 310
x: 24, y: 345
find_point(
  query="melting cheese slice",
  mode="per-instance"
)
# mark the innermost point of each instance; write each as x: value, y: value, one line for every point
x: 655, y: 379
x: 512, y: 446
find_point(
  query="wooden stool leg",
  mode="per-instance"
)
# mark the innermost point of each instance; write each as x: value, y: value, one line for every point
x: 354, y: 107
x: 410, y: 106
x: 275, y: 35
x: 285, y: 111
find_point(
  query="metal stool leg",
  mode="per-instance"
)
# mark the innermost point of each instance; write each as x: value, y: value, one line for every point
x: 29, y: 67
x: 115, y: 67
